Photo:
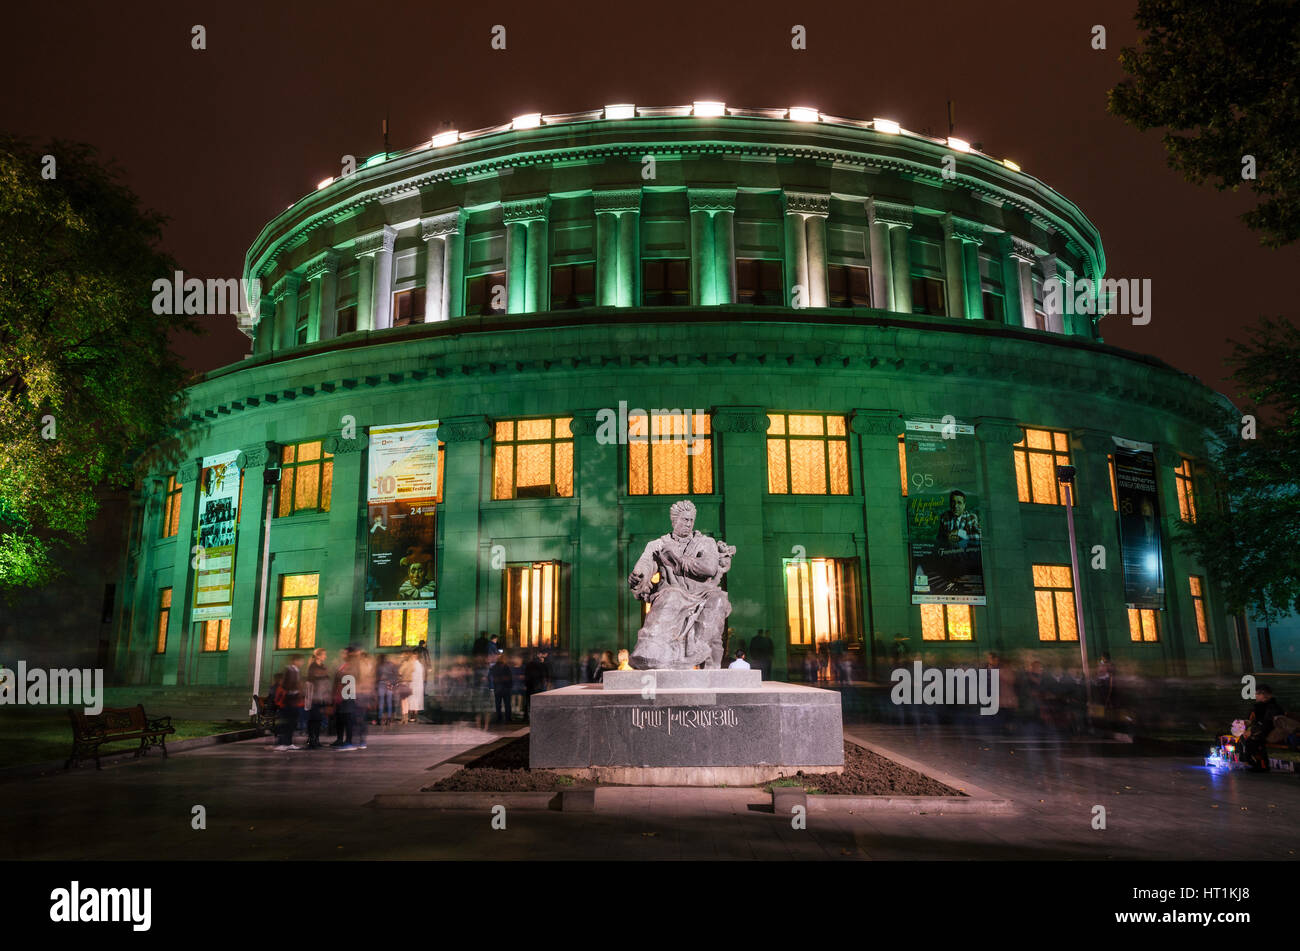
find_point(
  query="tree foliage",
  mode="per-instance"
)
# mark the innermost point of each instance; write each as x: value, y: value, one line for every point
x: 1223, y: 80
x: 1250, y: 540
x: 86, y: 372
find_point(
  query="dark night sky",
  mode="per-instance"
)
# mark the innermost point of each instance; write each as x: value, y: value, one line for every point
x: 222, y: 140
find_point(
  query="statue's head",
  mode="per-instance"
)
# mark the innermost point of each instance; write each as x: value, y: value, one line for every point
x: 683, y: 517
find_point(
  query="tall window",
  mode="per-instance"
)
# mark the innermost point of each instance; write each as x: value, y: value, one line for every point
x: 1054, y: 600
x: 1186, y: 499
x: 759, y: 282
x: 1197, y: 584
x: 297, y: 612
x: 993, y: 307
x: 164, y: 616
x: 481, y: 294
x: 666, y: 282
x: 171, y: 508
x: 530, y: 604
x: 822, y: 599
x: 669, y: 464
x: 306, y: 479
x: 928, y: 297
x: 401, y: 628
x: 1143, y: 624
x: 533, y: 459
x: 214, y: 635
x: 902, y: 463
x: 947, y: 622
x: 346, y: 320
x: 408, y: 307
x: 573, y: 286
x: 807, y: 454
x: 1037, y: 456
x: 1114, y: 492
x: 848, y: 286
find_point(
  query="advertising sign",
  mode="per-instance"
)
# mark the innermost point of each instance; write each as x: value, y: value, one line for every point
x: 944, y: 524
x: 401, y: 516
x: 214, y: 578
x: 1139, y: 524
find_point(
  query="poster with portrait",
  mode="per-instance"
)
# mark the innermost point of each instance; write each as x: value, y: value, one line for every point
x: 401, y: 516
x: 214, y: 561
x: 1141, y: 546
x: 944, y: 513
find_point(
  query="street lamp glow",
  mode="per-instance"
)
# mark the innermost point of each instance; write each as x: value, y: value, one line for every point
x: 804, y: 114
x: 1011, y: 165
x: 961, y: 145
x: 886, y: 125
x: 709, y: 109
x: 621, y: 110
x: 530, y: 121
x: 445, y: 138
x: 324, y: 183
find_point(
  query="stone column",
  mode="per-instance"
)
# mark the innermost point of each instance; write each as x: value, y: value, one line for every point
x: 882, y: 280
x: 435, y: 231
x: 463, y: 487
x: 607, y: 270
x: 453, y: 272
x: 264, y: 339
x: 796, y: 260
x: 898, y: 219
x: 538, y: 293
x: 970, y: 253
x: 1011, y: 619
x: 887, y: 607
x: 526, y: 223
x: 953, y: 271
x: 1054, y: 313
x: 182, y: 578
x: 365, y: 289
x: 1022, y: 257
x: 618, y: 246
x: 740, y: 439
x: 375, y: 279
x: 805, y: 216
x: 517, y: 268
x: 596, y: 584
x: 240, y: 664
x: 709, y: 285
x: 322, y: 271
x: 285, y: 293
x: 384, y: 279
x: 629, y: 256
x: 724, y: 256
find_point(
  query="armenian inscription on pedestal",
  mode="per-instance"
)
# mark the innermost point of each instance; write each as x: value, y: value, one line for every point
x: 668, y: 718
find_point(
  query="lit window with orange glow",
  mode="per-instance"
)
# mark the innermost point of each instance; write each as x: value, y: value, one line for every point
x: 1143, y: 625
x: 533, y: 458
x: 164, y: 616
x: 823, y: 599
x: 401, y: 628
x: 1186, y: 497
x: 1037, y: 455
x: 807, y: 454
x: 297, y: 627
x: 215, y: 635
x: 171, y: 508
x: 1054, y: 602
x: 1114, y: 493
x: 1197, y: 584
x: 669, y: 460
x: 306, y: 479
x: 531, y: 604
x: 902, y: 462
x: 947, y: 622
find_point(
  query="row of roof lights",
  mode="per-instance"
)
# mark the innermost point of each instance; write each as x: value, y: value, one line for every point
x: 700, y: 108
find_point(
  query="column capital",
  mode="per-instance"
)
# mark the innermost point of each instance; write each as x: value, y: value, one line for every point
x: 1167, y: 455
x: 327, y: 262
x: 257, y: 454
x: 288, y: 284
x: 963, y: 230
x: 526, y: 209
x: 1022, y: 250
x: 188, y: 471
x: 807, y: 203
x: 441, y: 224
x: 998, y: 431
x: 889, y: 213
x: 336, y: 445
x: 464, y: 429
x: 739, y: 419
x: 877, y: 422
x: 584, y: 422
x: 1092, y: 441
x: 711, y: 199
x: 376, y: 241
x: 616, y: 200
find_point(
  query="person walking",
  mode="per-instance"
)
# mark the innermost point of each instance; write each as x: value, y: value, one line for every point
x: 415, y: 677
x: 386, y: 680
x: 503, y: 681
x: 320, y: 693
x: 291, y: 701
x: 537, y: 678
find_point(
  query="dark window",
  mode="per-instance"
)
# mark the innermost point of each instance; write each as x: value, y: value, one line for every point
x: 993, y: 307
x: 573, y: 286
x: 347, y: 319
x: 300, y: 334
x: 849, y: 286
x: 480, y: 293
x: 759, y: 283
x: 666, y: 282
x: 927, y: 297
x: 408, y: 307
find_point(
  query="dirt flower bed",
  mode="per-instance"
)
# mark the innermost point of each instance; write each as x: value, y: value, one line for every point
x: 867, y: 774
x: 505, y: 769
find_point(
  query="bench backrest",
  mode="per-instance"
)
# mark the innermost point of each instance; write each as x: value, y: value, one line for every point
x: 110, y: 720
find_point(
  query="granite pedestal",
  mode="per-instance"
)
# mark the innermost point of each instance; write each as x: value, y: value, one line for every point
x: 686, y: 728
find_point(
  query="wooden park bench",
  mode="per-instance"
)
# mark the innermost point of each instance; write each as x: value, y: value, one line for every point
x: 91, y: 730
x: 264, y: 717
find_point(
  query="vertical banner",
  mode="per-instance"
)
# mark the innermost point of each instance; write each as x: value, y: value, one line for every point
x: 214, y: 574
x: 943, y: 513
x: 401, y: 516
x: 1139, y: 524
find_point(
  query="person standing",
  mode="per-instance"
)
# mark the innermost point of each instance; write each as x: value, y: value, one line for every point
x: 479, y: 657
x: 346, y: 680
x: 537, y: 677
x: 503, y: 681
x: 418, y: 670
x: 291, y: 688
x: 739, y: 663
x: 320, y: 691
x: 760, y: 653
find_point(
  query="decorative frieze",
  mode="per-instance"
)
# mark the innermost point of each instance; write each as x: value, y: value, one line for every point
x: 381, y: 240
x: 327, y: 262
x: 963, y: 230
x: 439, y: 225
x: 807, y: 203
x: 526, y: 209
x: 711, y: 199
x: 617, y: 200
x: 1023, y: 250
x: 889, y: 213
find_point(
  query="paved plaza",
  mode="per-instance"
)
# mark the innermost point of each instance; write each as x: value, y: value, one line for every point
x: 319, y: 804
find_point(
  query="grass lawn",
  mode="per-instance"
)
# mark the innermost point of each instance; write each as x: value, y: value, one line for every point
x: 38, y: 735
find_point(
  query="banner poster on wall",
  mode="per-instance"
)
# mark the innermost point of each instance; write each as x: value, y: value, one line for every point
x: 401, y: 517
x: 944, y: 513
x: 1140, y: 542
x: 214, y: 563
